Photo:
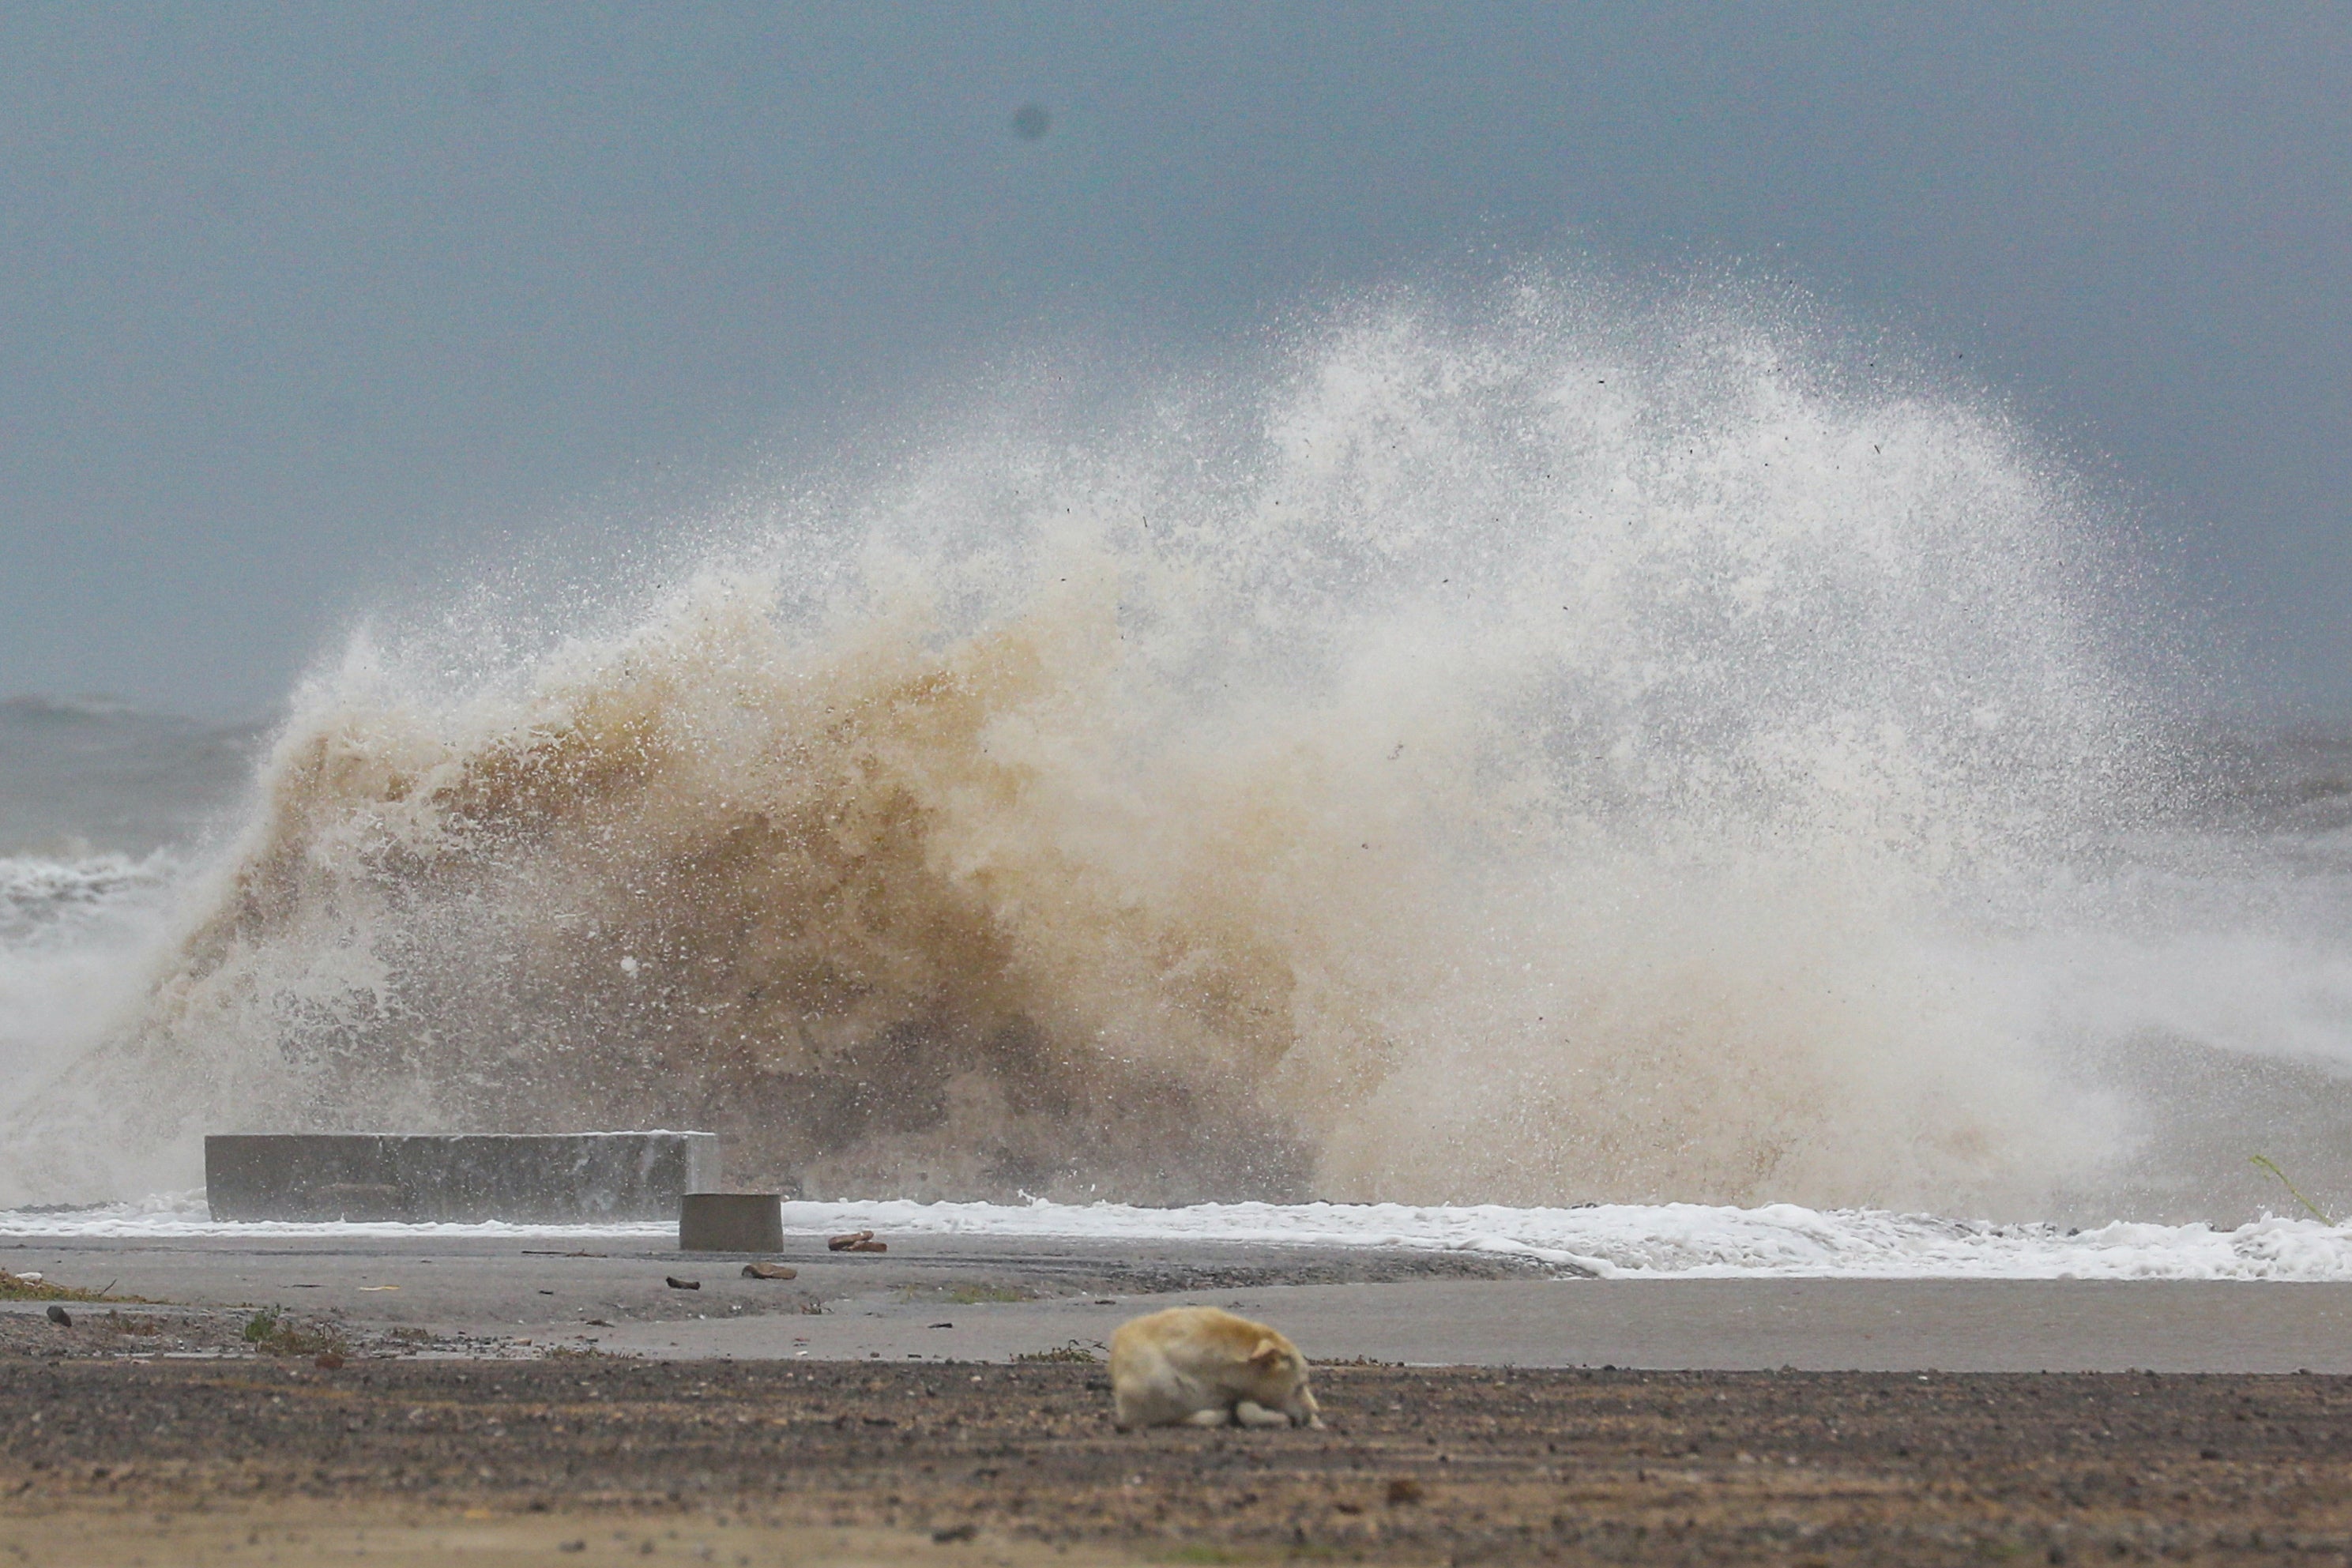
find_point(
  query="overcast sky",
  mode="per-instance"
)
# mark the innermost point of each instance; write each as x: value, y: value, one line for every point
x: 292, y: 299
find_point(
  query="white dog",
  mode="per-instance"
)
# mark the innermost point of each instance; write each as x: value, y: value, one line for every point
x: 1200, y: 1366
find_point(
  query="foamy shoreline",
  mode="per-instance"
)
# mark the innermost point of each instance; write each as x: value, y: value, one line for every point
x: 1606, y: 1241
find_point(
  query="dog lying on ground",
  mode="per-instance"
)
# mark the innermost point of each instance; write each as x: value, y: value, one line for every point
x: 1200, y: 1366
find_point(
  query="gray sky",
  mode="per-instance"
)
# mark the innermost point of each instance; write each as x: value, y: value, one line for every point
x: 294, y: 298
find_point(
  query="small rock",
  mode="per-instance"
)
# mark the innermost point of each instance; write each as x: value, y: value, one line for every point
x: 770, y: 1271
x: 59, y: 1316
x: 674, y: 1283
x: 955, y: 1532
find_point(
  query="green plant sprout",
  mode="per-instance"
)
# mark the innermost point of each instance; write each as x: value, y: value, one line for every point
x: 2265, y: 1163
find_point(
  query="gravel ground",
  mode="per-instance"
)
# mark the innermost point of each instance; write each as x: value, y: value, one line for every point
x: 112, y: 1459
x: 116, y: 1330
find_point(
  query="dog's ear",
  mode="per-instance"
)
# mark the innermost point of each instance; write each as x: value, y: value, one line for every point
x: 1267, y: 1353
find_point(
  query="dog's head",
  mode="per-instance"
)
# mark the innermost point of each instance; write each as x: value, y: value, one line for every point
x: 1282, y: 1381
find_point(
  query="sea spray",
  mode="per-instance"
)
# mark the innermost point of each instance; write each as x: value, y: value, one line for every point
x: 1566, y: 750
x: 78, y: 937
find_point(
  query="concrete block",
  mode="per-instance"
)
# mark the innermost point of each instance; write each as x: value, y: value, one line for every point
x: 730, y: 1222
x: 561, y: 1179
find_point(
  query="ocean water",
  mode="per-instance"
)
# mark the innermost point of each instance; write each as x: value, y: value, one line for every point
x: 1481, y: 760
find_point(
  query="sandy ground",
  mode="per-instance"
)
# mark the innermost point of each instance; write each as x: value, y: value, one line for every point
x: 596, y: 1458
x: 309, y: 1400
x: 945, y: 1298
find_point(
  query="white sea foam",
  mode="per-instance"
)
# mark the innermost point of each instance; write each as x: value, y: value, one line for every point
x: 1616, y: 1241
x: 78, y: 942
x: 50, y: 903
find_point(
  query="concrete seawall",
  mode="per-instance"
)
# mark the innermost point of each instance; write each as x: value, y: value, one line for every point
x: 544, y: 1179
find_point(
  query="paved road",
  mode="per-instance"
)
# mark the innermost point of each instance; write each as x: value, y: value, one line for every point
x: 933, y: 1298
x: 1728, y: 1325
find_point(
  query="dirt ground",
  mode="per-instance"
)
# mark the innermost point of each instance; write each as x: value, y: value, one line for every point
x: 588, y: 1458
x: 116, y: 1329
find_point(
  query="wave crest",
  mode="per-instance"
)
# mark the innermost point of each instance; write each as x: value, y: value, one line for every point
x: 1570, y: 752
